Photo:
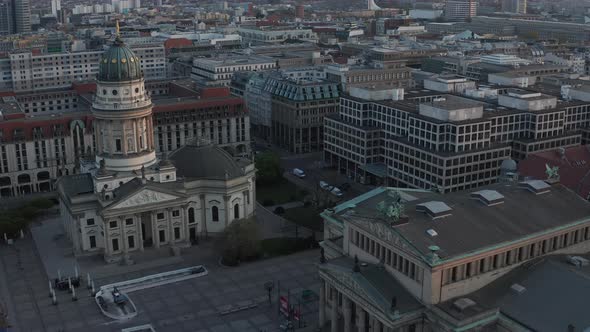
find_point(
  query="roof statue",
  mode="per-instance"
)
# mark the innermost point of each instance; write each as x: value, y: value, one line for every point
x: 117, y: 28
x: 392, y: 210
x: 552, y: 172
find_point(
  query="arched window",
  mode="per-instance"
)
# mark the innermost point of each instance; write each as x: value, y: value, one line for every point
x: 191, y: 215
x: 215, y: 213
x: 237, y: 211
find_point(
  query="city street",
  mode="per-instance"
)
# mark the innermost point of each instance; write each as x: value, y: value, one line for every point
x: 190, y: 305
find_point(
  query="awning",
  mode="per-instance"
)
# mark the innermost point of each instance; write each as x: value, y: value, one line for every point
x: 378, y: 169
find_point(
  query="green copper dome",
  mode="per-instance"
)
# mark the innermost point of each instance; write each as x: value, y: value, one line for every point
x: 119, y: 63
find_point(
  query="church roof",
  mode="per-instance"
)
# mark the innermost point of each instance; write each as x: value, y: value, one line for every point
x: 119, y: 63
x: 210, y: 162
x: 76, y: 184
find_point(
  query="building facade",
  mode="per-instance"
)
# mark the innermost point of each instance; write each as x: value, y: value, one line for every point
x: 33, y: 72
x: 45, y: 134
x: 126, y: 199
x: 443, y: 142
x: 220, y: 71
x: 460, y: 10
x: 407, y: 271
x: 22, y: 16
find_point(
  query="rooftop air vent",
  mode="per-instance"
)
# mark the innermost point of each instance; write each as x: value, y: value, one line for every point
x: 536, y: 186
x: 435, y: 209
x: 488, y: 197
x: 463, y: 303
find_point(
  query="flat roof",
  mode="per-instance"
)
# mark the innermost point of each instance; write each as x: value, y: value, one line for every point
x: 470, y: 225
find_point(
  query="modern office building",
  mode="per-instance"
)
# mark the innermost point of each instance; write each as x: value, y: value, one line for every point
x: 442, y: 142
x: 491, y: 259
x: 389, y: 74
x: 22, y: 16
x: 275, y: 34
x: 542, y: 30
x: 125, y: 198
x: 35, y: 72
x: 460, y: 10
x: 6, y: 18
x: 514, y: 6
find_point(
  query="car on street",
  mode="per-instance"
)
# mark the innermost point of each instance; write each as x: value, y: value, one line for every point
x: 298, y: 173
x: 336, y: 192
x: 324, y: 185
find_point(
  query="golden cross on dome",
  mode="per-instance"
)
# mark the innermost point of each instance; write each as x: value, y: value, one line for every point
x: 117, y: 28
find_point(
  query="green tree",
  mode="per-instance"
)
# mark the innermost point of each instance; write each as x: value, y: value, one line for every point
x: 268, y: 167
x: 241, y: 242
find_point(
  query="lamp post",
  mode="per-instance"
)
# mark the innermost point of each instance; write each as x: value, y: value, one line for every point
x: 269, y: 285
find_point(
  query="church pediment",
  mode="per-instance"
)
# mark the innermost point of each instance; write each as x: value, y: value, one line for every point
x: 144, y: 197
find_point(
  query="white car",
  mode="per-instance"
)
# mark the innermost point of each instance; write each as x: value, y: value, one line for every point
x: 324, y: 185
x: 336, y: 192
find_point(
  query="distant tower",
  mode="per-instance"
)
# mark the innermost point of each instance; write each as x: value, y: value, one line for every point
x: 6, y: 23
x: 22, y: 16
x: 55, y: 8
x: 371, y: 5
x: 300, y: 11
x: 514, y: 6
x: 159, y: 3
x: 460, y: 10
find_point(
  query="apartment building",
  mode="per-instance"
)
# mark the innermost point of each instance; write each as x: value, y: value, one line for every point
x: 298, y: 108
x: 480, y: 260
x: 34, y: 72
x: 391, y: 74
x: 445, y: 142
x: 275, y: 35
x: 460, y: 10
x: 219, y: 71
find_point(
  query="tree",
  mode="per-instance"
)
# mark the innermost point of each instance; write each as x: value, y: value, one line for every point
x: 241, y: 242
x: 268, y: 165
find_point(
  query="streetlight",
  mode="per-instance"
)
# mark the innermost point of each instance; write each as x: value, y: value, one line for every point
x: 269, y: 285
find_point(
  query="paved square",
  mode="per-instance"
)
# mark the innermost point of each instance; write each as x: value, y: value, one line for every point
x: 190, y: 305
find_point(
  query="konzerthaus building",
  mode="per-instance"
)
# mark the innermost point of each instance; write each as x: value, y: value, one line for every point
x: 444, y: 141
x: 125, y: 198
x: 44, y: 134
x: 490, y: 259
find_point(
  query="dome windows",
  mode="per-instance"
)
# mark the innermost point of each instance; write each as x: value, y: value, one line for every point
x: 104, y: 92
x: 136, y: 90
x: 115, y: 92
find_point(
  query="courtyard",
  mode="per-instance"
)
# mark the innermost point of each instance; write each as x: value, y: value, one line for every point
x: 190, y: 305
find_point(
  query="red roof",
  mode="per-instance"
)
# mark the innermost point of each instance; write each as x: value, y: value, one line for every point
x: 177, y: 43
x: 574, y: 167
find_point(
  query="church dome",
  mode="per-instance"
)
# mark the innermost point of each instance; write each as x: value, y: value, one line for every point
x: 119, y: 63
x: 508, y: 165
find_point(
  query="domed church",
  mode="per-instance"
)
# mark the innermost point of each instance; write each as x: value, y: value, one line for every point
x: 127, y: 199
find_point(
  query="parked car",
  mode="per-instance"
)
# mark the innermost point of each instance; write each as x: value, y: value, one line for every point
x: 345, y: 186
x: 336, y: 192
x: 324, y: 185
x: 298, y: 173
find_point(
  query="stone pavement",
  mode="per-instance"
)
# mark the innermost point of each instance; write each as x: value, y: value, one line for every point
x: 189, y: 305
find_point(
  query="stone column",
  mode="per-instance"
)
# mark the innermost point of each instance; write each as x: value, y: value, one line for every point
x: 227, y: 209
x: 347, y: 310
x: 123, y: 237
x: 139, y: 234
x: 322, y: 304
x: 155, y: 234
x: 171, y: 239
x: 203, y: 215
x: 361, y: 316
x: 334, y: 313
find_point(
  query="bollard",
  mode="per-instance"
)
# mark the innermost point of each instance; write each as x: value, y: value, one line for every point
x: 54, y: 298
x: 58, y: 275
x: 70, y: 284
x: 22, y: 234
x: 76, y: 273
x: 88, y: 280
x: 74, y: 297
x: 50, y: 289
x: 93, y: 292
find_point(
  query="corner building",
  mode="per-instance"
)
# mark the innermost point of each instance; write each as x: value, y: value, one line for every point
x: 127, y: 199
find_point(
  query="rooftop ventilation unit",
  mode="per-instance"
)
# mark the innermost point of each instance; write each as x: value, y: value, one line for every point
x: 435, y: 209
x: 488, y: 197
x: 536, y: 186
x: 463, y: 303
x: 431, y: 232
